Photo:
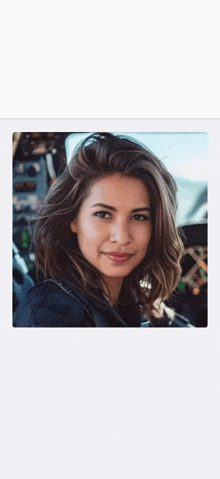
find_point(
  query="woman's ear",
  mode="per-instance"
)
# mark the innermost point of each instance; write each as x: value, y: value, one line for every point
x: 73, y: 226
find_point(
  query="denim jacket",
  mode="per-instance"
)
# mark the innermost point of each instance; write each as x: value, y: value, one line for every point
x: 54, y: 303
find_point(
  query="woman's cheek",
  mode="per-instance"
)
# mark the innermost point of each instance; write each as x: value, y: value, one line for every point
x: 144, y: 236
x: 91, y: 233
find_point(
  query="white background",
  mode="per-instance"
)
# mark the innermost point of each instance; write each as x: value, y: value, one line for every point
x: 105, y: 403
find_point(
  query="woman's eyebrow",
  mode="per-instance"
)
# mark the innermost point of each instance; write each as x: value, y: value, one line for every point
x: 108, y: 207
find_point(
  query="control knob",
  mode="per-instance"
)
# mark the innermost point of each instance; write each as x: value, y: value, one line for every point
x: 31, y: 171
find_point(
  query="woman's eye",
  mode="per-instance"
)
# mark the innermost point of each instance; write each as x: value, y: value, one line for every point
x: 141, y: 217
x: 102, y: 214
x: 107, y: 215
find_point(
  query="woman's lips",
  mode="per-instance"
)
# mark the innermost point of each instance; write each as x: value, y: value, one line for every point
x: 118, y: 258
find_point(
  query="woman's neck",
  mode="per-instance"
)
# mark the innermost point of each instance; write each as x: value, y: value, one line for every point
x: 114, y: 286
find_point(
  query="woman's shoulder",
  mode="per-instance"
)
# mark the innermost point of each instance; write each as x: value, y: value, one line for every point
x: 51, y: 304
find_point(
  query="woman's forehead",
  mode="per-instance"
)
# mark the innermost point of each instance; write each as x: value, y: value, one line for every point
x: 118, y: 188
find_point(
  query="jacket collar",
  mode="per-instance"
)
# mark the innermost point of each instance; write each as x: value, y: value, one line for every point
x: 95, y: 304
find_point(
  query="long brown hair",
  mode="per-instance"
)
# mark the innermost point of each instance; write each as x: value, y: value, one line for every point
x: 56, y: 247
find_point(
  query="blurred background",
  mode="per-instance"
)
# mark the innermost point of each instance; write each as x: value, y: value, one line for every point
x: 39, y: 158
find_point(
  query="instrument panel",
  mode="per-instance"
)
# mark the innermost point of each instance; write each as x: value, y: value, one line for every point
x: 30, y: 186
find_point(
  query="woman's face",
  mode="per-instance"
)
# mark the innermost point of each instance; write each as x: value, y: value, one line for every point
x: 114, y: 226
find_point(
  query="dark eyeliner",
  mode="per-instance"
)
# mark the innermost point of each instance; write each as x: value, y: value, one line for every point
x: 145, y: 218
x: 101, y: 212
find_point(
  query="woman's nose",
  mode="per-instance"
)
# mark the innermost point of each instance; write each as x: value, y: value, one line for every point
x: 120, y: 233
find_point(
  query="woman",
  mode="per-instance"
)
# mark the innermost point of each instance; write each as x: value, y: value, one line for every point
x: 106, y: 240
